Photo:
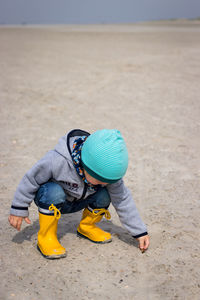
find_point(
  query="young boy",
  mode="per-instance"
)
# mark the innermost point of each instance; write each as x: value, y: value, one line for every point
x: 83, y: 172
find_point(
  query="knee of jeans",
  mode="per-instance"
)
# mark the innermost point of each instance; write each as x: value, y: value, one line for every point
x: 50, y: 193
x: 103, y: 199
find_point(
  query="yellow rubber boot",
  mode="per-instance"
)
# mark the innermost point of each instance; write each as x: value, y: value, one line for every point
x: 48, y: 243
x: 87, y: 228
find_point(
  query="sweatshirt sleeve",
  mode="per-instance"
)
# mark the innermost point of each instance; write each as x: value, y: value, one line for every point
x: 40, y: 173
x: 123, y: 202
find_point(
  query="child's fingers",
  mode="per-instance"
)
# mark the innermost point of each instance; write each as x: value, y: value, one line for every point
x: 141, y: 244
x: 15, y: 221
x: 27, y: 220
x: 146, y: 243
x: 19, y: 223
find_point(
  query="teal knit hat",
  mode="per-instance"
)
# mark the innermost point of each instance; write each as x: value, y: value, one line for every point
x: 104, y: 155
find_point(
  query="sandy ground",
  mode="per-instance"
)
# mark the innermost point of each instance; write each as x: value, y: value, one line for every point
x: 143, y: 79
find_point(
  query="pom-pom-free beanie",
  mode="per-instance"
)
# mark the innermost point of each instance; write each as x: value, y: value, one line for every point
x: 104, y: 155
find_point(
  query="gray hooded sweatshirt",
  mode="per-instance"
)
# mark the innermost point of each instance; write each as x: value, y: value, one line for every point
x: 57, y: 165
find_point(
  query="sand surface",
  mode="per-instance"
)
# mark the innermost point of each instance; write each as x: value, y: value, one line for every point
x: 143, y: 79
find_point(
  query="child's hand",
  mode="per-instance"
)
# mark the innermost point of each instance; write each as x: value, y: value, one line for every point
x: 143, y: 243
x: 16, y: 222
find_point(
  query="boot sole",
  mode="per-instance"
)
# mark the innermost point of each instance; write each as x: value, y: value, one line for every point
x: 52, y: 256
x: 85, y: 237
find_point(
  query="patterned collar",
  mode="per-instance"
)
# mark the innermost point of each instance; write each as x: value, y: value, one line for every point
x: 76, y: 158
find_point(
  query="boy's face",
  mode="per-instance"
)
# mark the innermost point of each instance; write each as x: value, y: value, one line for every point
x: 93, y: 180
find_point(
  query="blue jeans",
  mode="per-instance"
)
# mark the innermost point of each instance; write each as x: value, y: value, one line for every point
x: 52, y: 193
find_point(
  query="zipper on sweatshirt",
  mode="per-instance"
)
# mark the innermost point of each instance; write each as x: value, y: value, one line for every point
x: 84, y: 192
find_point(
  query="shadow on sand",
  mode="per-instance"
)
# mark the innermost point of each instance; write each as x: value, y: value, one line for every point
x: 69, y: 224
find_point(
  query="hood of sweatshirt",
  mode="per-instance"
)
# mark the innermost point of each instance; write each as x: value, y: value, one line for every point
x: 65, y: 143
